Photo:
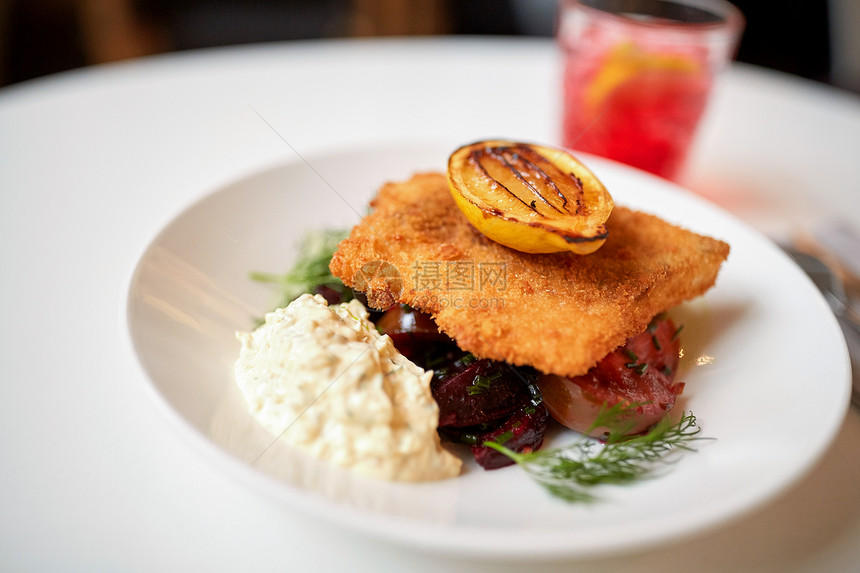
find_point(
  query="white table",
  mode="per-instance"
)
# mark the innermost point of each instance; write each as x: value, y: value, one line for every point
x: 94, y: 162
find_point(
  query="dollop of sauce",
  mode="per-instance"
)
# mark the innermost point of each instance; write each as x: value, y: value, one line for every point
x: 323, y: 379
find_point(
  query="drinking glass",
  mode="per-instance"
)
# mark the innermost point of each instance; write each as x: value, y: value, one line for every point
x: 638, y: 73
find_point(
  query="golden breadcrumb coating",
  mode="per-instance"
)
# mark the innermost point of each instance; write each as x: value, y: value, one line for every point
x: 560, y: 313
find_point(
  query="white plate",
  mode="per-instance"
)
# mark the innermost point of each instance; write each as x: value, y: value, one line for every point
x: 766, y: 370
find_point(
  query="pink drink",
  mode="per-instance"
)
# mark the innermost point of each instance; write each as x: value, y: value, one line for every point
x: 635, y: 89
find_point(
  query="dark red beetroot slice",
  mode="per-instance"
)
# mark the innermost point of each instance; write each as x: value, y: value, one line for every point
x: 640, y: 372
x: 527, y: 427
x: 413, y: 333
x: 330, y: 293
x: 481, y: 392
x: 523, y: 431
x: 479, y: 400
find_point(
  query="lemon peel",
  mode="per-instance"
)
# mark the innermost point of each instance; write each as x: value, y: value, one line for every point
x: 627, y: 61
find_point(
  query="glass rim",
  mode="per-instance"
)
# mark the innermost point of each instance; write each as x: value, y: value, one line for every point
x: 727, y: 15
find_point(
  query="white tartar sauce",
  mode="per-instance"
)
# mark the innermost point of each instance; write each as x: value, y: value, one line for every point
x: 322, y: 378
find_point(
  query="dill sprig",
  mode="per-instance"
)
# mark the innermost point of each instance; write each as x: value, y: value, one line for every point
x: 310, y: 270
x: 571, y: 472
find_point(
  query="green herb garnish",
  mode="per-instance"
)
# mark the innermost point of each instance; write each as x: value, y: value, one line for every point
x: 481, y: 384
x: 310, y: 271
x: 502, y: 439
x: 655, y: 322
x: 571, y: 472
x: 634, y: 363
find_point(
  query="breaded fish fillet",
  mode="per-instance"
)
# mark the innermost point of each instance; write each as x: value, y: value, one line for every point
x: 560, y: 313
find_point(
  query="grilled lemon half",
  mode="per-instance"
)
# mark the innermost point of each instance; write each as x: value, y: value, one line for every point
x: 530, y: 198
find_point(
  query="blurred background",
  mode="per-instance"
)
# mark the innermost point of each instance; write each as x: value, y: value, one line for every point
x: 815, y: 39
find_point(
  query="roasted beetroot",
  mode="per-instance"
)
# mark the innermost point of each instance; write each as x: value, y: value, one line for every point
x: 417, y: 337
x: 522, y: 432
x: 485, y: 400
x: 477, y: 392
x: 479, y: 400
x: 332, y: 294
